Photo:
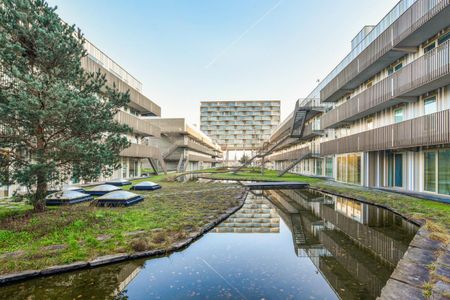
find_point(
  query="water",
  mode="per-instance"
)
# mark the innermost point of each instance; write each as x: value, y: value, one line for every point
x: 281, y: 245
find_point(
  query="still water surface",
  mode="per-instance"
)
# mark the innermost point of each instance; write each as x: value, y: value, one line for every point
x: 283, y: 244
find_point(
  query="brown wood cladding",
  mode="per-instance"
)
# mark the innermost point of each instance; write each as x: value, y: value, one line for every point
x: 289, y: 155
x: 135, y: 96
x: 431, y: 66
x: 433, y: 129
x: 407, y: 23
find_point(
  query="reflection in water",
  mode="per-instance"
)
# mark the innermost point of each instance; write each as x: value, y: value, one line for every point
x: 256, y: 216
x: 298, y: 244
x: 355, y: 245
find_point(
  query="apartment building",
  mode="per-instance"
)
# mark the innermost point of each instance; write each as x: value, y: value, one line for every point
x: 140, y: 149
x: 239, y: 125
x: 184, y: 147
x: 385, y: 120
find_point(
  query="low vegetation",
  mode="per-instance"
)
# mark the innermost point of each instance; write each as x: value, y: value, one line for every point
x: 60, y: 235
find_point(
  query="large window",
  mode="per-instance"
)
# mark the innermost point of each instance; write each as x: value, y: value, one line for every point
x: 444, y: 172
x: 354, y: 169
x: 430, y: 172
x: 329, y: 166
x: 319, y: 167
x: 341, y: 168
x: 349, y: 168
x: 430, y: 105
x: 437, y: 171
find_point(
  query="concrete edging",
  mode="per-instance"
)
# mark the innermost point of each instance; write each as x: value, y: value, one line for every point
x: 118, y: 257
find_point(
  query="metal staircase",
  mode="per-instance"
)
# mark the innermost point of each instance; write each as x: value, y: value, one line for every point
x: 294, y: 163
x: 304, y: 110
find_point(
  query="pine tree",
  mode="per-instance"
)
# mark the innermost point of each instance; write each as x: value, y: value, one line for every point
x: 56, y: 120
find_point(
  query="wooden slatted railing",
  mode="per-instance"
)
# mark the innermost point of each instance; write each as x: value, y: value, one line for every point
x: 432, y: 129
x: 430, y: 67
x: 415, y: 17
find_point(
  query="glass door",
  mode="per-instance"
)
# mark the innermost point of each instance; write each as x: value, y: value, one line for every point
x: 395, y: 170
x: 398, y: 167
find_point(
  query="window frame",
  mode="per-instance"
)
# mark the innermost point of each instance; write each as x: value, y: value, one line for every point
x: 428, y: 99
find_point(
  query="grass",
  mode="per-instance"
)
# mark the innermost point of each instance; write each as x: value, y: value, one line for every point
x: 81, y: 232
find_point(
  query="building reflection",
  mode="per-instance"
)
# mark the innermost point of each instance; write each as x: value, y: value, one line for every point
x: 107, y: 282
x: 257, y: 215
x: 355, y: 246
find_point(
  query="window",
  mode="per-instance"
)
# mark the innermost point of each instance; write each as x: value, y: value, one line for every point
x: 430, y: 47
x: 430, y: 172
x: 394, y: 68
x: 370, y: 123
x: 437, y: 171
x: 444, y: 172
x: 430, y: 105
x: 443, y: 38
x: 319, y: 167
x: 349, y: 168
x: 398, y: 115
x: 329, y: 167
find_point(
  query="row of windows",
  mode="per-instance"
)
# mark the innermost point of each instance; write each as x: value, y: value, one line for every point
x: 240, y: 109
x: 239, y: 104
x: 238, y: 118
x: 244, y: 113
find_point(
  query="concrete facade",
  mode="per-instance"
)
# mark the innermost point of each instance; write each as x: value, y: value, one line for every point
x: 239, y: 125
x: 184, y: 147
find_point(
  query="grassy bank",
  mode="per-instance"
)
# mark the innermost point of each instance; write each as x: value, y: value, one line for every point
x: 82, y: 232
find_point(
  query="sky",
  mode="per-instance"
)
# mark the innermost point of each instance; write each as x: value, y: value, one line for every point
x: 187, y: 51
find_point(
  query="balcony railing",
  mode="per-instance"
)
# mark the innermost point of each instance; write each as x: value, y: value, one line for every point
x: 139, y: 125
x: 138, y: 100
x: 289, y: 155
x: 411, y: 20
x: 193, y: 157
x: 200, y: 148
x: 433, y: 129
x: 414, y: 79
x: 141, y: 151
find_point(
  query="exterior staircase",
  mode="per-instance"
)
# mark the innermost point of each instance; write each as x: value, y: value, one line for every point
x: 294, y: 163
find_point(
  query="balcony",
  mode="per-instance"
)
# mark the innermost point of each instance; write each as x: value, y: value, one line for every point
x: 425, y: 74
x: 137, y: 100
x: 289, y: 155
x: 193, y: 157
x: 138, y: 125
x: 427, y: 130
x: 198, y: 147
x: 141, y: 151
x: 419, y: 22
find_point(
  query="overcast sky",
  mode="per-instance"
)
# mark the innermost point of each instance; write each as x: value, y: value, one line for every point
x: 187, y: 51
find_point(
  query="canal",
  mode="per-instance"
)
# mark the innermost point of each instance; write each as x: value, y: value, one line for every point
x: 282, y: 244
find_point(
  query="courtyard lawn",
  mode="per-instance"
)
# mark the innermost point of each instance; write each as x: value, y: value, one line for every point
x: 82, y: 232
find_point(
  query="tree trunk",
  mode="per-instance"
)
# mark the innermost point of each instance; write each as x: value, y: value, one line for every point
x: 41, y: 192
